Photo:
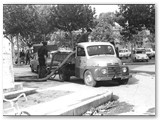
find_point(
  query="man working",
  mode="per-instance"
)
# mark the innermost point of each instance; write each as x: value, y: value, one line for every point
x: 116, y: 48
x: 84, y: 37
x: 42, y: 56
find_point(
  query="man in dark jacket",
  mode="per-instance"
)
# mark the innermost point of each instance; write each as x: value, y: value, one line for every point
x: 116, y: 48
x: 28, y: 57
x: 42, y: 56
x: 22, y: 57
x: 84, y: 37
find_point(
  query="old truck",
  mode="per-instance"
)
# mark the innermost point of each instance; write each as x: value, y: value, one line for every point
x: 91, y: 62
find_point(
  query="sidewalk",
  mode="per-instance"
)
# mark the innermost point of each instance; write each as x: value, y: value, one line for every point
x: 81, y: 100
x: 77, y: 103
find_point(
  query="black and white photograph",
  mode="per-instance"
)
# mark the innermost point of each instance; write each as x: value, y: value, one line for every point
x: 79, y: 59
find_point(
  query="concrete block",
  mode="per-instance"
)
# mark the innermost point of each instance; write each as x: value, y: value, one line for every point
x: 83, y: 106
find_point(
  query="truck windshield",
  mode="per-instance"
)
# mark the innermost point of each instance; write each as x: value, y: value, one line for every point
x: 100, y: 50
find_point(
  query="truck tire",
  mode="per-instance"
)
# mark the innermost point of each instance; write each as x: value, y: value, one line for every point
x: 38, y: 69
x: 88, y: 79
x: 63, y: 76
x: 32, y: 70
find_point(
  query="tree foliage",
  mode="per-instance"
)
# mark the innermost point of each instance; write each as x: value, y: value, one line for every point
x: 34, y: 23
x: 72, y: 17
x: 14, y: 19
x: 104, y: 28
x: 43, y: 26
x: 135, y: 17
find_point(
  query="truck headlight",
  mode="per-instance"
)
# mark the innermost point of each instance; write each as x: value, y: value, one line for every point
x: 124, y: 69
x: 104, y: 71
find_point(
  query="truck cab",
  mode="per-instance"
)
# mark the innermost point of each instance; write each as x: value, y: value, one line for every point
x: 97, y: 61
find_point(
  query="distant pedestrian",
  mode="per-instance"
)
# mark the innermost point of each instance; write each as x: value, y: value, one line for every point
x: 42, y: 56
x: 28, y: 56
x: 22, y: 57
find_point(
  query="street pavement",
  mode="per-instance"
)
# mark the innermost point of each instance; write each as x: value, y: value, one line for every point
x: 144, y: 68
x: 83, y: 97
x: 23, y: 70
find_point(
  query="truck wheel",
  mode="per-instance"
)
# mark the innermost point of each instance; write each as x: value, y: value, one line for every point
x: 38, y: 69
x: 63, y: 76
x: 88, y: 79
x: 32, y: 68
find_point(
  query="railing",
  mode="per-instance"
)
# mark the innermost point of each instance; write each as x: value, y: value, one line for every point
x: 14, y: 104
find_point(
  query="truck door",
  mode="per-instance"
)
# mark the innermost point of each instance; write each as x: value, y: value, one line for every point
x: 80, y: 62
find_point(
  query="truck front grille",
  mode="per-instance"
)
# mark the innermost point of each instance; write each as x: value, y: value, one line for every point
x: 113, y: 70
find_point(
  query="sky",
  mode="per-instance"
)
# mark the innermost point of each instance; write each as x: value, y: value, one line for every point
x: 104, y: 8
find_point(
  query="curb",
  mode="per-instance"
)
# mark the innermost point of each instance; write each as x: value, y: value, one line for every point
x: 82, y: 107
x: 137, y: 71
x: 139, y: 63
x: 72, y: 107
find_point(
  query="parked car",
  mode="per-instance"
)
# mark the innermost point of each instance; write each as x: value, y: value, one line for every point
x: 139, y: 55
x: 150, y: 52
x: 124, y: 53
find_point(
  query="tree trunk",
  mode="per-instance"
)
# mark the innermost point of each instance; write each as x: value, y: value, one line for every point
x: 12, y: 50
x: 70, y: 32
x: 132, y: 45
x: 44, y: 36
x: 18, y: 54
x: 82, y: 30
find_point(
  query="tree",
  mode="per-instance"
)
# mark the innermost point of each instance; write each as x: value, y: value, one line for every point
x: 43, y: 25
x: 22, y: 21
x: 13, y: 21
x: 104, y: 28
x: 134, y: 18
x: 72, y: 17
